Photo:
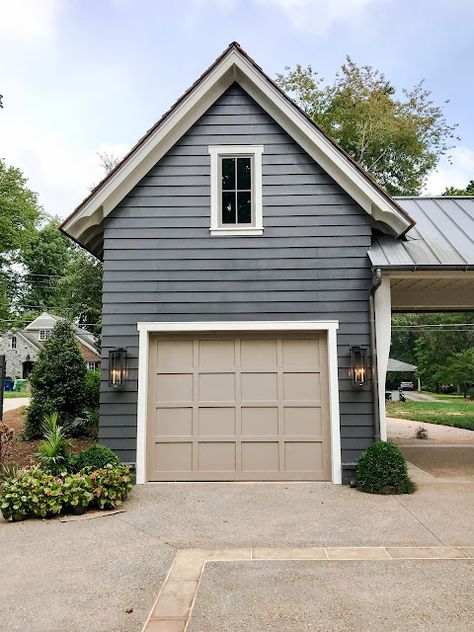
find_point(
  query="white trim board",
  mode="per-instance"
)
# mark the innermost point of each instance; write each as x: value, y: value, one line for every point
x: 145, y: 329
x: 85, y: 223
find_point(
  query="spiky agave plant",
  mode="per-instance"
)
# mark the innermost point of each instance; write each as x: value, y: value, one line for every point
x: 54, y: 452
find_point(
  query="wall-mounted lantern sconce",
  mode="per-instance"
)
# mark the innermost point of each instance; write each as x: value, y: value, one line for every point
x: 358, y: 367
x: 117, y: 368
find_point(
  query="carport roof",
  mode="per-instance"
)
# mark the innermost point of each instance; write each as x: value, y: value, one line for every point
x: 399, y: 365
x: 443, y: 236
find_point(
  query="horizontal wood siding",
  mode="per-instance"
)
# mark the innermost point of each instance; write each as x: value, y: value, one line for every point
x: 160, y: 263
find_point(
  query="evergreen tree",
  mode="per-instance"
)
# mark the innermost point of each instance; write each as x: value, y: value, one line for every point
x: 57, y: 381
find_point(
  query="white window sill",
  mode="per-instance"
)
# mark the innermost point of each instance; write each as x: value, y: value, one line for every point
x: 234, y: 232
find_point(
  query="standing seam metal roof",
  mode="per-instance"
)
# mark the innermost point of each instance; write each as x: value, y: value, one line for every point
x: 442, y: 237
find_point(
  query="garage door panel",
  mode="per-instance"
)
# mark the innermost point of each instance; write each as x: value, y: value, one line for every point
x: 174, y: 387
x: 300, y: 353
x: 216, y: 456
x: 238, y: 407
x: 258, y: 354
x: 216, y: 354
x: 175, y: 355
x: 259, y: 421
x: 302, y: 420
x: 174, y: 421
x: 260, y: 456
x: 216, y: 421
x: 301, y: 386
x: 259, y: 387
x: 216, y: 387
x: 303, y: 456
x: 174, y: 457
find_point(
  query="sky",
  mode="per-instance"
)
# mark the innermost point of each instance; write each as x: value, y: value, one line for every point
x: 83, y: 77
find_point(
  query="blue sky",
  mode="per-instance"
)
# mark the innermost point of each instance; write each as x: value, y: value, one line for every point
x: 87, y: 76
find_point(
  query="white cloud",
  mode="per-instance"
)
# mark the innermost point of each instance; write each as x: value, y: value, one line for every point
x: 62, y: 174
x: 457, y: 174
x: 29, y: 22
x: 319, y: 16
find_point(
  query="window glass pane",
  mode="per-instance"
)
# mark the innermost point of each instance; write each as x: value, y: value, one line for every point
x: 228, y: 173
x: 244, y: 178
x: 244, y: 207
x: 228, y: 207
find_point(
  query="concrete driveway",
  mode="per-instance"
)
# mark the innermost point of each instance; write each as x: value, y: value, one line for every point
x: 104, y: 574
x: 12, y: 403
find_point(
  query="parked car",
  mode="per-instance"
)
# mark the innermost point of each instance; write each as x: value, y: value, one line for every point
x: 407, y: 386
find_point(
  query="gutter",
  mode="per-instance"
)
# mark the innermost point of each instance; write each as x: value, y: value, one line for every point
x: 376, y: 282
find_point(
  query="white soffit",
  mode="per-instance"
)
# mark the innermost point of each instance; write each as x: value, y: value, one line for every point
x: 83, y: 224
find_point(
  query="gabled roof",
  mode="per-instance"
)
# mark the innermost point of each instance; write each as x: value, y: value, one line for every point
x: 400, y: 366
x: 84, y: 225
x: 442, y: 238
x: 47, y: 321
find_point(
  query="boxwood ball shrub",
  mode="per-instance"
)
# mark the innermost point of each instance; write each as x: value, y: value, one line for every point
x: 382, y: 469
x: 95, y: 456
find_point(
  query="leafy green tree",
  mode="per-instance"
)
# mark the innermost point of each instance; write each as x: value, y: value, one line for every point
x: 58, y: 381
x: 469, y: 190
x: 78, y: 293
x: 397, y: 140
x: 44, y: 260
x: 460, y: 369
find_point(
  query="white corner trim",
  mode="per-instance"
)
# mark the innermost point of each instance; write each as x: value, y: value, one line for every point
x: 255, y: 151
x: 145, y: 328
x: 334, y: 408
x: 383, y: 336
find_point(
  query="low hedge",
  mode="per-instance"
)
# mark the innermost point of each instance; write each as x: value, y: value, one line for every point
x: 31, y: 492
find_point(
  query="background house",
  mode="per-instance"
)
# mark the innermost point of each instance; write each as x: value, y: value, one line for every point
x: 21, y: 346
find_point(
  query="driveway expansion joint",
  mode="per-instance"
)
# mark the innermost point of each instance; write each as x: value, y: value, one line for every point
x: 173, y: 607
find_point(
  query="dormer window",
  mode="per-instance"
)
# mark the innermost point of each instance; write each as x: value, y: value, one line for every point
x: 44, y: 334
x: 236, y: 189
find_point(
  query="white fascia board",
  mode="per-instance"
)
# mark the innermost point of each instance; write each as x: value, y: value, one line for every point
x: 235, y: 67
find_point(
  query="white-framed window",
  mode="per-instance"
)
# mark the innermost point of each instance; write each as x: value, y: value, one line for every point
x: 236, y: 190
x: 13, y: 342
x: 93, y: 366
x: 44, y: 334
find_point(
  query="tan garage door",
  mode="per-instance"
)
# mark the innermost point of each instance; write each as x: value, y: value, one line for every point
x: 245, y: 407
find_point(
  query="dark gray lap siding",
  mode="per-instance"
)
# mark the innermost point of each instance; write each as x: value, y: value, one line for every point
x: 160, y: 263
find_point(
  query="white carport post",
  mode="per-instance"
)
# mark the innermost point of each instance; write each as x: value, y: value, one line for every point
x: 383, y: 335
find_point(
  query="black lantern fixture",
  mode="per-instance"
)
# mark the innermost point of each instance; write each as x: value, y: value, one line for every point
x: 358, y: 367
x: 117, y: 368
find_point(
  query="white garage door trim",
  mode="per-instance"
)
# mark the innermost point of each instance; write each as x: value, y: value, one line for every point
x: 145, y: 329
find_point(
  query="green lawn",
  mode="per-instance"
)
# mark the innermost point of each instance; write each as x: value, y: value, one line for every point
x: 450, y: 397
x: 459, y: 414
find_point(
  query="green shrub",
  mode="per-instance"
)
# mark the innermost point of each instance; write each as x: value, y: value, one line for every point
x: 86, y: 425
x: 95, y: 456
x: 110, y: 485
x: 57, y: 380
x: 382, y: 469
x: 470, y: 393
x: 54, y: 452
x: 77, y: 494
x: 31, y: 492
x: 92, y: 390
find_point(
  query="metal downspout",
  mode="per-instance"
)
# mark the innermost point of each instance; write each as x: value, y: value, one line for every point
x: 376, y: 282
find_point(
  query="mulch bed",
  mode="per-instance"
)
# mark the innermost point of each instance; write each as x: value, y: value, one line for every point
x: 23, y: 450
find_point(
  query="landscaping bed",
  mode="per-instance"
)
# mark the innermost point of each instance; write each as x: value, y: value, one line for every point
x: 458, y: 414
x: 23, y: 451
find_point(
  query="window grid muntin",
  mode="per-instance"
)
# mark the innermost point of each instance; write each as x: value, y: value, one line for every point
x: 236, y: 190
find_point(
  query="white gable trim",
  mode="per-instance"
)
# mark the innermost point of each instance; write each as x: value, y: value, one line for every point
x: 234, y: 66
